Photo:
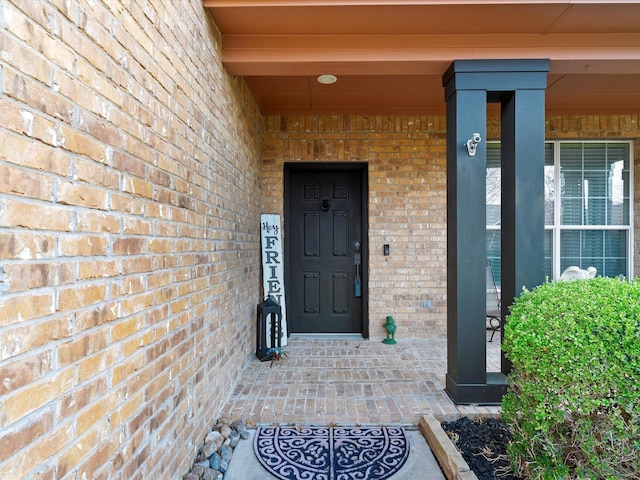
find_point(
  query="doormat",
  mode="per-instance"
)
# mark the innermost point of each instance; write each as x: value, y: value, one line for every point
x: 331, y: 453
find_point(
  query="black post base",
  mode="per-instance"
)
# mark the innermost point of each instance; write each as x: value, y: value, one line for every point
x: 489, y: 393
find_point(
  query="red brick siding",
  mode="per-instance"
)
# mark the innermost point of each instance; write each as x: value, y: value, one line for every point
x: 407, y: 197
x: 129, y: 235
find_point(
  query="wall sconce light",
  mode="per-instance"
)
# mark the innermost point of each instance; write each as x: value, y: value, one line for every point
x: 472, y: 143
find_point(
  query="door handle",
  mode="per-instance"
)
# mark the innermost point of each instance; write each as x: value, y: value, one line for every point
x: 357, y: 286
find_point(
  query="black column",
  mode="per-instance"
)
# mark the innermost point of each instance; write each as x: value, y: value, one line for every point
x: 466, y: 244
x: 522, y: 158
x: 519, y: 86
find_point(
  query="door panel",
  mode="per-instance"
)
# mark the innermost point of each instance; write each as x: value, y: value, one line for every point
x: 311, y: 292
x: 323, y: 224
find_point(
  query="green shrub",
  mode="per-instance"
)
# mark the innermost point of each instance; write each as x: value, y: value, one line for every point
x: 574, y: 401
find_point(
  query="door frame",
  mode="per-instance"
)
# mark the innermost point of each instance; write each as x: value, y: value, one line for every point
x: 363, y: 170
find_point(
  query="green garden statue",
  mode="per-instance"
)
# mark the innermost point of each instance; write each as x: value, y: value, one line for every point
x: 390, y: 326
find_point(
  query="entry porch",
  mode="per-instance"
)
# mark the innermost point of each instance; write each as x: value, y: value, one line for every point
x: 347, y: 381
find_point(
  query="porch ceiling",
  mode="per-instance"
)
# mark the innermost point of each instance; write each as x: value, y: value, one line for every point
x: 389, y: 55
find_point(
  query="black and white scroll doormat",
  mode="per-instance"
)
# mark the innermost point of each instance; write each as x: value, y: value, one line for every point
x: 331, y: 453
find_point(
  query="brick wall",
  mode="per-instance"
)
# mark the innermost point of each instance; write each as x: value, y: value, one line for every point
x: 407, y: 197
x: 407, y: 204
x: 130, y: 188
x: 129, y: 234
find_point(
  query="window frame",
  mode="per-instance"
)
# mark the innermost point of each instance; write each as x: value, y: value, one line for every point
x: 556, y: 228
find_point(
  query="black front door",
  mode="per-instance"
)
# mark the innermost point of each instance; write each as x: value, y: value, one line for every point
x: 325, y: 251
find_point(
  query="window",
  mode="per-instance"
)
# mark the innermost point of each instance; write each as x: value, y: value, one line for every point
x: 588, y: 205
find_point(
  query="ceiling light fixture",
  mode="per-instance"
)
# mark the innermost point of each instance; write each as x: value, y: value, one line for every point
x: 327, y: 79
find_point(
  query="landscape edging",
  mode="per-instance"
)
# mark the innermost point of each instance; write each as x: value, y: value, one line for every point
x: 448, y: 456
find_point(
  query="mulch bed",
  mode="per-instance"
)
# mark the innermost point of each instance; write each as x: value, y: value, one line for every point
x: 483, y: 444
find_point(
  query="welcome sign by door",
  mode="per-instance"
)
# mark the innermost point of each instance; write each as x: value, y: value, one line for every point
x: 272, y: 268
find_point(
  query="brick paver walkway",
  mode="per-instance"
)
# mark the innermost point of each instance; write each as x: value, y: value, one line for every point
x: 347, y: 382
